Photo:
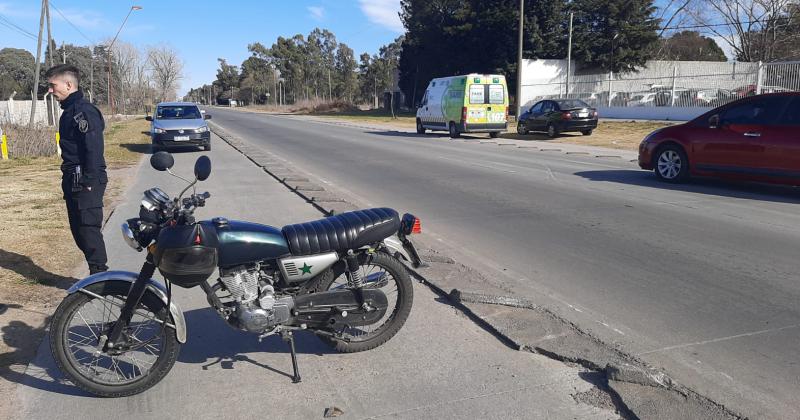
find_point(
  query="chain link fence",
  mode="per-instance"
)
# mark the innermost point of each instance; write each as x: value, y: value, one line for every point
x: 691, y: 84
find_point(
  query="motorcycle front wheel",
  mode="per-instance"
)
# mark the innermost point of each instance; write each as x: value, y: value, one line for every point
x: 81, y: 321
x: 379, y: 271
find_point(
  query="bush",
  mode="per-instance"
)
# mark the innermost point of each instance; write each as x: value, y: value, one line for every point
x: 29, y: 142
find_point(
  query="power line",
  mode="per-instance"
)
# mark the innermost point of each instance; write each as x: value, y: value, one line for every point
x: 750, y: 22
x: 18, y: 28
x: 72, y: 24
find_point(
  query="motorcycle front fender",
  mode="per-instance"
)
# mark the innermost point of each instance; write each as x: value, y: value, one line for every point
x: 152, y: 285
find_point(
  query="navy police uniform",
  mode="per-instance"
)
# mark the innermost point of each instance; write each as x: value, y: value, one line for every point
x: 84, y: 176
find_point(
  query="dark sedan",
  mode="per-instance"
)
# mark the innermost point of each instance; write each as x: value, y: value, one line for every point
x: 756, y: 139
x: 555, y: 116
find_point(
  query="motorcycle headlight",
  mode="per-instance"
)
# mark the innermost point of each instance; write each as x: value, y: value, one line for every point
x: 159, y: 130
x: 128, y: 236
x: 201, y: 129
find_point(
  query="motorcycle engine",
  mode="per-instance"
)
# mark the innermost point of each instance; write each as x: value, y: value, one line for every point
x: 257, y: 307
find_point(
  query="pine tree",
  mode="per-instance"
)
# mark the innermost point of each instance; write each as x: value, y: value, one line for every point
x: 614, y: 35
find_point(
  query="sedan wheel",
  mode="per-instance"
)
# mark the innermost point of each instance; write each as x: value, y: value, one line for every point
x: 552, y: 131
x: 521, y: 129
x: 671, y: 164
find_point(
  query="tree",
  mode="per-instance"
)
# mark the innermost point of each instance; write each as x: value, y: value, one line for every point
x: 449, y: 37
x: 227, y: 79
x: 756, y: 30
x: 346, y: 80
x: 16, y: 73
x: 690, y: 46
x: 614, y: 35
x: 167, y: 69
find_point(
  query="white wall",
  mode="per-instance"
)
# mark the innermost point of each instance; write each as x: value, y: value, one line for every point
x: 19, y: 112
x: 662, y: 113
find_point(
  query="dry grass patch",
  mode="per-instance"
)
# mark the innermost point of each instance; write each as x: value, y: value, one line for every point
x: 37, y: 252
x: 625, y: 135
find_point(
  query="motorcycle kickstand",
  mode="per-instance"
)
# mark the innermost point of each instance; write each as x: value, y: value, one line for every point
x: 289, y: 337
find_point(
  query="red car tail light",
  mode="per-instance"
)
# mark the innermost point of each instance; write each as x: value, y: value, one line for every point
x: 566, y: 116
x: 464, y: 114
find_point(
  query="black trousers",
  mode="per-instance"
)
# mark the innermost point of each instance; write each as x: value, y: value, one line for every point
x: 86, y: 222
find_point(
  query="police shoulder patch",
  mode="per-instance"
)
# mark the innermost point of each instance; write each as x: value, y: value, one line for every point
x: 82, y: 121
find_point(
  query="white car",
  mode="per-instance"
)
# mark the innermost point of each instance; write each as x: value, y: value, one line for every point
x: 642, y: 99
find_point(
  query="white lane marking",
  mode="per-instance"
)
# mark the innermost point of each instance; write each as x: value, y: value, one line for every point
x: 717, y: 340
x: 550, y: 174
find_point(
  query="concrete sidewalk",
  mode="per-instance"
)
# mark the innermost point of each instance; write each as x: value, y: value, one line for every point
x: 440, y: 365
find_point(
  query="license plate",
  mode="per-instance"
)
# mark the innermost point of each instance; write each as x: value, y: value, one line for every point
x: 179, y: 138
x: 583, y: 114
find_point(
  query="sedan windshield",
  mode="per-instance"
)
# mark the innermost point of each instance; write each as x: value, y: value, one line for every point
x: 178, y: 113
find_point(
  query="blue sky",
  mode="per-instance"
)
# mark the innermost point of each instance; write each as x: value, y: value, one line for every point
x: 202, y: 30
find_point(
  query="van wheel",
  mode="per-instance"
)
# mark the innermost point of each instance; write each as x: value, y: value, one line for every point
x: 420, y: 128
x: 552, y: 131
x: 454, y: 134
x: 494, y: 134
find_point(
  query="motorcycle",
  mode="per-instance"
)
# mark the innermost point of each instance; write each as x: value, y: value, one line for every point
x: 119, y: 333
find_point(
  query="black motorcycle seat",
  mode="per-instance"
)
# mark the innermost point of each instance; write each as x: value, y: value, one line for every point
x: 341, y: 232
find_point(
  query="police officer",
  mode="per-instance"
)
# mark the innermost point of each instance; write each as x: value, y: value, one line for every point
x: 84, y: 168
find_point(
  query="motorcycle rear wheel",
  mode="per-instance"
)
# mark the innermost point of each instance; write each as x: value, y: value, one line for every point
x: 378, y: 271
x: 81, y: 320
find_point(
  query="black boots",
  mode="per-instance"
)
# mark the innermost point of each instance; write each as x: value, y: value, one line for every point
x: 94, y: 269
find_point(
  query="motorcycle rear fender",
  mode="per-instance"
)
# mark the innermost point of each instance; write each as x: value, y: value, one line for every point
x: 152, y: 285
x: 396, y: 247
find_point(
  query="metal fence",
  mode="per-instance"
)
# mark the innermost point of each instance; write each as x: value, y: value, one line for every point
x: 669, y: 84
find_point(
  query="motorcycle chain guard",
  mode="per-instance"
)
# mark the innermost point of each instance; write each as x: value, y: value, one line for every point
x: 327, y: 309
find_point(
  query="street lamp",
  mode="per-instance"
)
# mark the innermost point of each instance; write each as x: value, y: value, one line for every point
x: 110, y: 102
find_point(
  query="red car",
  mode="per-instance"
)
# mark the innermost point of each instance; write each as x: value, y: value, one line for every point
x: 755, y: 138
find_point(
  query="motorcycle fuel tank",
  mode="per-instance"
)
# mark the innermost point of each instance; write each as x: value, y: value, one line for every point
x: 245, y: 242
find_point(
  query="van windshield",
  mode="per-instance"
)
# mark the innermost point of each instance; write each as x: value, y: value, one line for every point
x: 178, y: 113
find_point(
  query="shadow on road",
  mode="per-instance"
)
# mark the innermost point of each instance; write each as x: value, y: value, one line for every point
x: 144, y: 149
x: 211, y: 342
x: 708, y: 186
x: 17, y: 335
x: 25, y: 267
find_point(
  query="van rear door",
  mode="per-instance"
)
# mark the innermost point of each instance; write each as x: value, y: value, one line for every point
x: 486, y: 103
x: 496, y: 110
x: 477, y: 100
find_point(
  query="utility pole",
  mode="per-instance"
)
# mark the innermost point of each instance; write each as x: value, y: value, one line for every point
x: 91, y: 75
x: 35, y: 93
x: 569, y: 53
x: 519, y: 58
x: 51, y: 102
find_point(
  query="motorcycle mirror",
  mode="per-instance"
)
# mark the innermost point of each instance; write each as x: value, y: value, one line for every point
x: 202, y: 168
x: 161, y: 161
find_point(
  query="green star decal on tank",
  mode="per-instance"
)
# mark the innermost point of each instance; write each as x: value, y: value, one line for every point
x: 306, y: 269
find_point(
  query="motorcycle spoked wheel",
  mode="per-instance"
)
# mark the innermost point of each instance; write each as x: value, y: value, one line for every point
x: 390, y: 276
x: 81, y: 319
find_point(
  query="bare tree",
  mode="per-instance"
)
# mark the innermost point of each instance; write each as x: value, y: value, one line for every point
x: 126, y: 58
x: 756, y: 30
x: 167, y: 70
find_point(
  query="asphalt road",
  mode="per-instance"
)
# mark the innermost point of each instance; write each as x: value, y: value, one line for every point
x: 699, y: 279
x: 440, y: 364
